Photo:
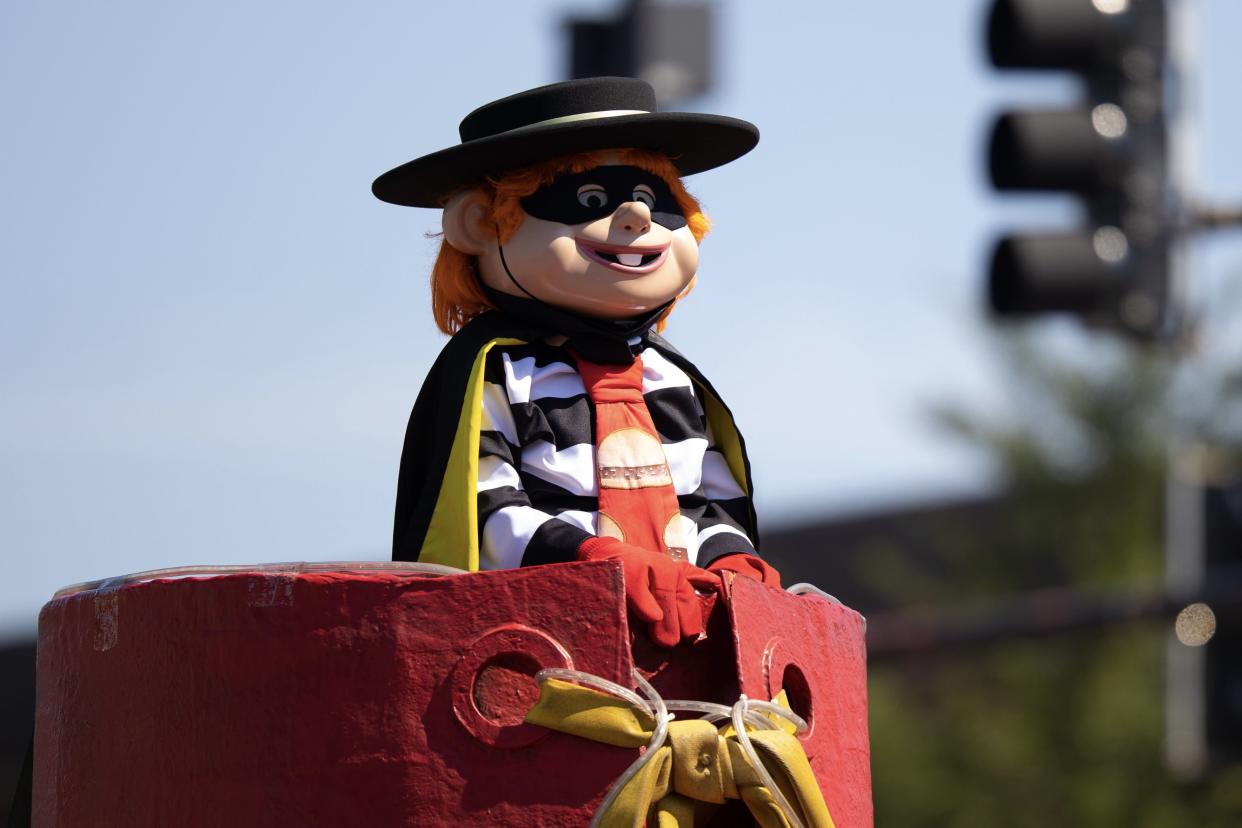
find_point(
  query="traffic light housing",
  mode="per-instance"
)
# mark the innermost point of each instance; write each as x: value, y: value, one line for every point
x: 667, y: 43
x: 1110, y: 151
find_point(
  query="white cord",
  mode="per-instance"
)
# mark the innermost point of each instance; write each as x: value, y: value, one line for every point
x: 663, y: 717
x: 810, y: 589
x: 598, y: 683
x: 799, y: 723
x: 717, y: 712
x: 739, y: 712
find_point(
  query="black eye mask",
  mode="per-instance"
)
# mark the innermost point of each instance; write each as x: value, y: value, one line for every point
x: 578, y: 198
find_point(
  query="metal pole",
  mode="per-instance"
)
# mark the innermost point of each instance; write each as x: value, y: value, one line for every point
x: 1186, y: 751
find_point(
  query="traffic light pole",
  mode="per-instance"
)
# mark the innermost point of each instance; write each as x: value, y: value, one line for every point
x: 1203, y: 533
x: 1185, y: 743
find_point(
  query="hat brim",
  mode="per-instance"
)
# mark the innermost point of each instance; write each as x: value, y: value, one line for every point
x: 694, y: 142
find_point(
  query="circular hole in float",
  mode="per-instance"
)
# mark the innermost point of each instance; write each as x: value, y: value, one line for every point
x: 798, y: 692
x: 493, y: 684
x: 504, y: 688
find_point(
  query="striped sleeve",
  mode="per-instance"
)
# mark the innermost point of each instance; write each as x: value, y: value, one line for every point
x: 724, y: 511
x: 512, y: 532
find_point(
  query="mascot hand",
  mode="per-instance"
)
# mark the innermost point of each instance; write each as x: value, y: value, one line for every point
x: 750, y: 566
x: 656, y: 589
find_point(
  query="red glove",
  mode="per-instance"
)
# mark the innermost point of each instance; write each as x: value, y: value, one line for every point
x: 751, y: 566
x: 656, y: 589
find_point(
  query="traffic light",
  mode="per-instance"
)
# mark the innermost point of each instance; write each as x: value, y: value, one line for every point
x: 665, y: 42
x: 1110, y: 151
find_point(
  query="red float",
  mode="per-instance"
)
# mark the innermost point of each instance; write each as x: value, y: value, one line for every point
x: 383, y: 696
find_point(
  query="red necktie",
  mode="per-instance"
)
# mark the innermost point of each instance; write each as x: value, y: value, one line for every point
x: 637, y: 502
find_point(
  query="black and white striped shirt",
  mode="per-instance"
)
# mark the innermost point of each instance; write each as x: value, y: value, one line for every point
x: 538, y: 497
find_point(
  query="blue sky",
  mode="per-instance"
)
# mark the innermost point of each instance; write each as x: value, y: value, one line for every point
x: 212, y: 333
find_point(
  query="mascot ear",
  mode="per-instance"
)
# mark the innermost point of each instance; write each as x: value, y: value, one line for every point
x: 466, y: 222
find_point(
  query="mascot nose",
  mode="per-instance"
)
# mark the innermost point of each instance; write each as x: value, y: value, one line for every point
x: 633, y: 216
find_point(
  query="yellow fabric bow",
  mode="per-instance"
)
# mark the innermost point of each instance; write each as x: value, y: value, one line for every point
x: 697, y: 768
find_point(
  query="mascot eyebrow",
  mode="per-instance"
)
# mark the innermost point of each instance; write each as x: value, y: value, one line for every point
x: 577, y: 198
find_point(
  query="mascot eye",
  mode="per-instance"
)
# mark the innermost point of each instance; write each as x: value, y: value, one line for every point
x: 644, y: 194
x: 592, y: 195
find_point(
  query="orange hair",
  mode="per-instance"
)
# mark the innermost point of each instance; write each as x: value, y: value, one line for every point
x: 456, y: 290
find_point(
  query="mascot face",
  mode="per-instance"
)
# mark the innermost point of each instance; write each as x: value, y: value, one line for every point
x: 609, y: 242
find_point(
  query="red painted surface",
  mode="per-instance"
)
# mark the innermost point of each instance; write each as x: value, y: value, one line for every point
x: 385, y: 699
x: 815, y: 651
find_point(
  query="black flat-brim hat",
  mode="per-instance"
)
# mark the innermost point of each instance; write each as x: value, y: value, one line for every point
x: 561, y: 119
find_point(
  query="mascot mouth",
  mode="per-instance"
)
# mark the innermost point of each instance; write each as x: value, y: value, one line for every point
x: 632, y: 261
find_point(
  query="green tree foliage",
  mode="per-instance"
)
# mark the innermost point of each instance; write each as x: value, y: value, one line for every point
x: 1068, y: 730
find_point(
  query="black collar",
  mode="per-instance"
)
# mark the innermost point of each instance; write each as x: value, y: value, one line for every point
x: 606, y: 341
